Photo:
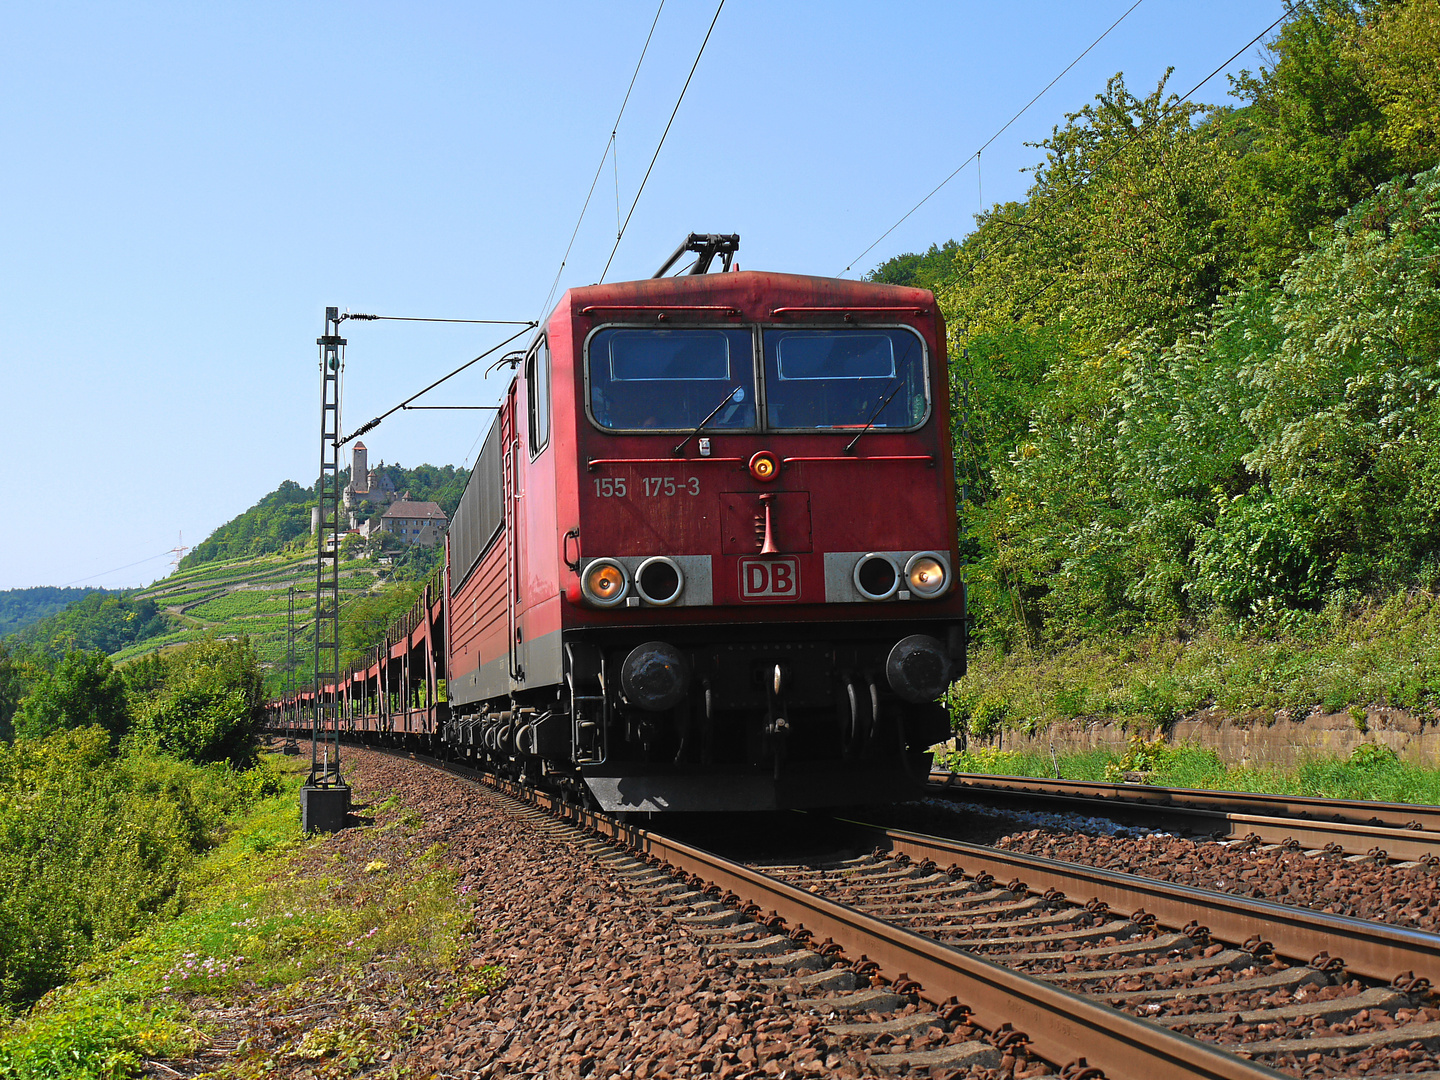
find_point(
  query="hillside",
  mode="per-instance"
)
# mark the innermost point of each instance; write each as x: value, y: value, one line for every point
x: 250, y: 597
x: 20, y: 608
x: 236, y: 582
x: 105, y: 621
x: 283, y: 515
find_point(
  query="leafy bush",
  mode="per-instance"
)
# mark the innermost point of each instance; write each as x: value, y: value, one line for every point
x: 92, y: 848
x: 83, y: 690
x: 1143, y: 756
x: 1373, y: 755
x: 1256, y: 560
x: 200, y: 702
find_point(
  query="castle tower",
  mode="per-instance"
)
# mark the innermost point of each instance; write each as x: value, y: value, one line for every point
x: 360, y: 470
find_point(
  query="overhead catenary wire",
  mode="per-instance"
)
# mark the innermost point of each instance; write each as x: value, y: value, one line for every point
x: 609, y: 151
x: 116, y: 570
x: 1005, y: 127
x: 621, y: 235
x: 524, y: 328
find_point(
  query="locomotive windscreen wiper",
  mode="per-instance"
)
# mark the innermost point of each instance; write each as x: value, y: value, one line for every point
x: 729, y: 395
x: 849, y: 447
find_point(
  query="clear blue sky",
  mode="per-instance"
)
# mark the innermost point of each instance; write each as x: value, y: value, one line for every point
x: 184, y: 187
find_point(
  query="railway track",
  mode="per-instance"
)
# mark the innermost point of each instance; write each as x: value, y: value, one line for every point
x: 1396, y: 831
x: 911, y: 942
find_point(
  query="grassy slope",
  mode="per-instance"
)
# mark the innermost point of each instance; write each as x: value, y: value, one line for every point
x: 1375, y: 654
x: 249, y: 596
x: 268, y: 913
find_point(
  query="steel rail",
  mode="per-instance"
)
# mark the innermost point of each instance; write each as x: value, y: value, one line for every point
x: 1061, y: 1025
x: 1374, y: 950
x: 1353, y: 811
x: 1206, y: 814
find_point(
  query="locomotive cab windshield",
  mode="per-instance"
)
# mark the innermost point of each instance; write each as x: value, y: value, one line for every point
x: 845, y: 379
x: 650, y: 379
x: 670, y: 380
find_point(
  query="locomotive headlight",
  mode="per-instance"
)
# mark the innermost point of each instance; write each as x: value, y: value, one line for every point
x: 604, y: 583
x: 659, y: 581
x: 876, y: 576
x: 764, y: 467
x: 925, y: 574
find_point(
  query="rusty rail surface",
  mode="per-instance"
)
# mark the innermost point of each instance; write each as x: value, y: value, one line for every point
x: 1374, y: 950
x: 1397, y: 830
x: 1062, y: 1026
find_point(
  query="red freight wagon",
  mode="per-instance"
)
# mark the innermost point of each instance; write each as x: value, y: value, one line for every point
x: 707, y: 557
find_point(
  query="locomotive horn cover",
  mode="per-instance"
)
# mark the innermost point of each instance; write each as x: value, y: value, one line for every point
x: 655, y: 676
x: 918, y: 668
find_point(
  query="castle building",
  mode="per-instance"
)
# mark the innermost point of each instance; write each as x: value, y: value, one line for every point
x: 420, y: 523
x: 366, y: 484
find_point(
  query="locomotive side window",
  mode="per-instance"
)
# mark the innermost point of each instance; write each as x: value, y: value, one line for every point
x: 653, y: 379
x: 845, y: 378
x: 537, y: 379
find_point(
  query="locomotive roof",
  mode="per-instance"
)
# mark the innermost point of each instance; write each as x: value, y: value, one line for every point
x: 754, y: 292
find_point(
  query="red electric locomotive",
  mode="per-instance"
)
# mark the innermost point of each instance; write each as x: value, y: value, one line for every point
x: 707, y: 557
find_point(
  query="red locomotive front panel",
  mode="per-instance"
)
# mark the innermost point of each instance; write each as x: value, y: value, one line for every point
x: 804, y: 431
x: 757, y: 540
x: 707, y: 557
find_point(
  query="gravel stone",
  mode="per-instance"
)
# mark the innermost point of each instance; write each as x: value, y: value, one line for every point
x: 607, y: 977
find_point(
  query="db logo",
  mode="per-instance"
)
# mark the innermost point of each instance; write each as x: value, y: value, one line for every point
x: 770, y: 579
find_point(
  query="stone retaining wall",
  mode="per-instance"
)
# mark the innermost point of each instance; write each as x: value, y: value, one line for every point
x: 1259, y: 739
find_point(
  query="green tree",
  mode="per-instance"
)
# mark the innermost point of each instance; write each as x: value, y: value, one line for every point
x: 1347, y: 411
x: 1123, y: 229
x: 84, y: 690
x: 924, y: 271
x: 1396, y: 50
x: 1312, y: 132
x: 200, y: 702
x: 11, y: 691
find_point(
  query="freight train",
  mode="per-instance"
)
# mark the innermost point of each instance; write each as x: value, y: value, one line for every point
x: 706, y: 559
